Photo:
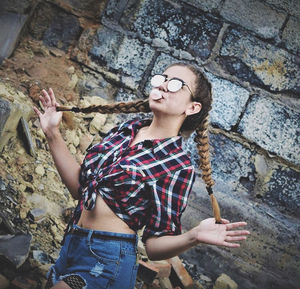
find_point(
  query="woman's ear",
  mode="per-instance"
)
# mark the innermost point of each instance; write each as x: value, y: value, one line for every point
x: 193, y: 108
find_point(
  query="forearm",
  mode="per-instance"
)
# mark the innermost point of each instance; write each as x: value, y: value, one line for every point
x: 161, y: 248
x: 65, y: 163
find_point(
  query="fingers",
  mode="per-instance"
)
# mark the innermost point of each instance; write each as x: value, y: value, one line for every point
x: 238, y: 233
x: 225, y: 221
x: 232, y: 245
x: 52, y: 97
x: 37, y: 111
x: 46, y: 97
x: 231, y: 226
x: 238, y: 238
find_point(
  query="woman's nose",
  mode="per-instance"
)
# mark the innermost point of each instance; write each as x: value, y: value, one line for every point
x: 164, y: 86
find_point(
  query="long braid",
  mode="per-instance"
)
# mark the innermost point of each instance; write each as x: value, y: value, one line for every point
x: 202, y: 141
x: 199, y: 122
x: 119, y: 107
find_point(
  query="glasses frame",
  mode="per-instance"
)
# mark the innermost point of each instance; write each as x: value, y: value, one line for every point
x: 175, y: 78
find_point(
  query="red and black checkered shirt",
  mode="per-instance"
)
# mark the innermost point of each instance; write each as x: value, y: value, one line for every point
x: 146, y: 184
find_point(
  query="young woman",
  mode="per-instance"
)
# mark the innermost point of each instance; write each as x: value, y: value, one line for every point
x: 138, y: 176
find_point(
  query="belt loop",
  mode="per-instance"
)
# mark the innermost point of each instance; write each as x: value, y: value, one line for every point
x: 90, y: 236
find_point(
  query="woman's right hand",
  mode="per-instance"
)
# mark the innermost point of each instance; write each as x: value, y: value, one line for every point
x: 51, y: 118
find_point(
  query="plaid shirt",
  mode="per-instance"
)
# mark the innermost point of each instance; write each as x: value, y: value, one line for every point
x: 146, y: 184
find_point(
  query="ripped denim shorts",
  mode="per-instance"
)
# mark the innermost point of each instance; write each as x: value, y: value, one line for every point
x: 92, y: 259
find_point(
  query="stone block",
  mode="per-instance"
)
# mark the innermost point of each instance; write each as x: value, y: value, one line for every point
x: 229, y: 101
x: 14, y: 249
x: 291, y: 35
x: 259, y: 63
x: 11, y: 25
x: 146, y: 272
x: 292, y: 7
x: 205, y: 5
x: 17, y: 6
x: 12, y: 104
x: 182, y: 27
x: 163, y: 267
x: 63, y: 31
x: 114, y: 52
x: 4, y: 113
x: 225, y: 282
x: 179, y: 275
x: 231, y: 161
x: 252, y: 16
x: 54, y: 26
x: 272, y: 126
x: 282, y: 189
x: 87, y: 8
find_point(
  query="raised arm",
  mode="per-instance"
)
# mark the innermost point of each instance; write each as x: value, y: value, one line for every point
x: 207, y: 232
x: 65, y: 163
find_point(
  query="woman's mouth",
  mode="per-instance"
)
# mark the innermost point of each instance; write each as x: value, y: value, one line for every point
x: 156, y: 94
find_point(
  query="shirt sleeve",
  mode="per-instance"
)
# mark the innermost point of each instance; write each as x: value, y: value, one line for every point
x: 169, y: 199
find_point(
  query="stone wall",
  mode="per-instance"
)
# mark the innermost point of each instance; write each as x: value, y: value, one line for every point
x: 250, y: 51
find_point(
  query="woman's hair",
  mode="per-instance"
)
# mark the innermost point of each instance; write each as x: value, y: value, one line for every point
x: 198, y: 122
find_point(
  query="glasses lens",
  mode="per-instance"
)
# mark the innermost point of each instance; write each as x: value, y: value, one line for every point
x: 157, y: 80
x: 174, y: 85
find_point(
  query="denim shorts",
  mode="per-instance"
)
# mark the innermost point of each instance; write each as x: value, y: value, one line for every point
x: 91, y: 259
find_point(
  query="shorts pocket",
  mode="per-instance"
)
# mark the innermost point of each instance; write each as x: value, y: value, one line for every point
x: 108, y: 251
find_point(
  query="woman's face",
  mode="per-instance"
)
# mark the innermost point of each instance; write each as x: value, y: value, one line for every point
x: 161, y: 100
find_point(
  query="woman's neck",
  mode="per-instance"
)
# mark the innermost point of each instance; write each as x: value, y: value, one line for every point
x: 162, y: 128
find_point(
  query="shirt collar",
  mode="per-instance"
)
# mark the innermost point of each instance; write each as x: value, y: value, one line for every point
x: 160, y: 147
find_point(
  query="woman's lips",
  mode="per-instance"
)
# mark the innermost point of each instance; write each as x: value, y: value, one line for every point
x: 156, y: 94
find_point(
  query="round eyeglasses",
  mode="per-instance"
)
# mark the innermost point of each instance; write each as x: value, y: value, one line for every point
x: 173, y: 85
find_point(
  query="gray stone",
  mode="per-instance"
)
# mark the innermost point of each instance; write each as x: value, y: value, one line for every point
x: 282, y: 190
x: 63, y: 30
x: 272, y: 126
x: 259, y: 63
x: 37, y: 214
x: 11, y: 25
x: 229, y: 101
x: 6, y: 223
x: 115, y: 8
x: 252, y: 15
x: 93, y: 84
x: 290, y: 6
x: 291, y: 35
x: 26, y: 135
x: 41, y: 256
x: 231, y: 162
x: 122, y: 55
x: 17, y: 6
x: 205, y: 5
x: 14, y: 249
x: 87, y: 8
x: 4, y: 113
x: 225, y: 282
x: 182, y: 28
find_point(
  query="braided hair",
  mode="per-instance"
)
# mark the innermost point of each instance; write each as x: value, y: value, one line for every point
x: 198, y: 122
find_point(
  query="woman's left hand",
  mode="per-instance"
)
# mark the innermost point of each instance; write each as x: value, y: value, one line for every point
x: 224, y: 234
